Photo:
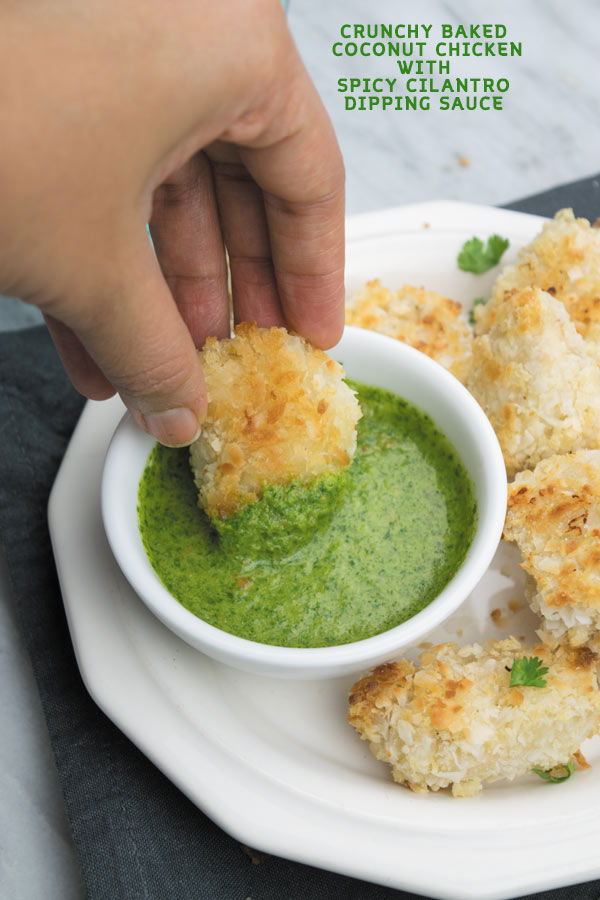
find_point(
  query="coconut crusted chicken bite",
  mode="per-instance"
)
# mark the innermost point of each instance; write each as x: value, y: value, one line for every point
x: 278, y: 411
x: 564, y: 259
x: 535, y: 378
x: 554, y: 517
x: 427, y: 321
x: 455, y: 721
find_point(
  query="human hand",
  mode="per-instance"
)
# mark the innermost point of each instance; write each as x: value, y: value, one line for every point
x: 106, y: 107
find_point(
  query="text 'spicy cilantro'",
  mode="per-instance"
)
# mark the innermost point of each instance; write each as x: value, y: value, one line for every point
x: 557, y: 773
x: 478, y: 258
x: 476, y: 302
x: 528, y: 671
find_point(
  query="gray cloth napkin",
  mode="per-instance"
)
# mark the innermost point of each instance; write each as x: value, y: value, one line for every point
x: 136, y: 834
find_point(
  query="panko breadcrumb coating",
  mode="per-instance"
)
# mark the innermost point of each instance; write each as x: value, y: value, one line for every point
x: 455, y: 721
x: 427, y: 321
x: 564, y: 260
x: 278, y: 410
x: 535, y: 378
x: 554, y: 517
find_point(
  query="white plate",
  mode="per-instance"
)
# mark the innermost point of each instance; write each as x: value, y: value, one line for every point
x: 274, y: 762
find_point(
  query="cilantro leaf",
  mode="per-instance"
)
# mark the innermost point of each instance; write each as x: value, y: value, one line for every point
x: 477, y: 258
x: 472, y: 256
x: 557, y: 773
x: 476, y: 302
x: 528, y: 671
x: 496, y: 247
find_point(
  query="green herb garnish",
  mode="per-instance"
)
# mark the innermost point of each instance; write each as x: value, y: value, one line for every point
x: 528, y: 671
x: 477, y: 258
x: 476, y: 302
x: 553, y: 775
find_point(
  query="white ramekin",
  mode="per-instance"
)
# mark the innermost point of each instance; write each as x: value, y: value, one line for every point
x: 372, y: 359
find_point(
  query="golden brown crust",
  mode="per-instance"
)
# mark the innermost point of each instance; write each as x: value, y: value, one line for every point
x: 427, y: 321
x: 563, y: 260
x: 278, y: 410
x: 456, y: 721
x: 553, y: 515
x: 580, y: 658
x: 378, y: 690
x: 535, y: 378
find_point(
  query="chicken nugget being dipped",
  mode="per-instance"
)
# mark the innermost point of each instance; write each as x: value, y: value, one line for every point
x: 279, y: 413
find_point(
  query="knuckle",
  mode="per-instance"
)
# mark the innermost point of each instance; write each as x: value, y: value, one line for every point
x: 162, y: 378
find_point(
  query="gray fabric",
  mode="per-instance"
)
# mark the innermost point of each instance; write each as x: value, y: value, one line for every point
x: 583, y: 196
x: 137, y: 835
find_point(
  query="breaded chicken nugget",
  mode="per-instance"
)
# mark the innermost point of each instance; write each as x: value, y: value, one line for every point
x: 427, y: 321
x: 278, y: 410
x: 455, y: 720
x: 565, y: 261
x: 554, y: 517
x: 535, y: 378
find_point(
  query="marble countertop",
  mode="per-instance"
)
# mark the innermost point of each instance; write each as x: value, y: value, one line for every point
x: 547, y: 133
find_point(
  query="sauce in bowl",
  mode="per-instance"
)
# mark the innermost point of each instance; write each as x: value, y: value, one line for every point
x: 399, y: 524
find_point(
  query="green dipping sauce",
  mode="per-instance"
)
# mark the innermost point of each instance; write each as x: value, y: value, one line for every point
x: 365, y: 550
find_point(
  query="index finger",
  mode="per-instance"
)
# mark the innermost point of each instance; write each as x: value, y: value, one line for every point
x: 298, y: 164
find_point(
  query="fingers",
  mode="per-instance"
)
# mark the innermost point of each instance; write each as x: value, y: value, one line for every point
x: 302, y: 176
x: 244, y: 224
x: 143, y: 348
x: 79, y: 365
x: 189, y: 246
x: 308, y: 253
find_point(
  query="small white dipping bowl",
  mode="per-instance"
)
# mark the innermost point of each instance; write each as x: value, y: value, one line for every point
x: 375, y: 360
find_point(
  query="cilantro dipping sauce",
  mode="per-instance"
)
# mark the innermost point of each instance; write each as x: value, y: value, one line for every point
x: 398, y: 525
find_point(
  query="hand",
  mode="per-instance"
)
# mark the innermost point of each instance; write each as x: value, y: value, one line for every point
x: 200, y: 118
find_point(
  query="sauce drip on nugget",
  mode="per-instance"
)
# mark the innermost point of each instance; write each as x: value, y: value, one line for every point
x: 278, y: 412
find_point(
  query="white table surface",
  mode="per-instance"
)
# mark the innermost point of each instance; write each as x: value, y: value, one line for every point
x: 548, y: 133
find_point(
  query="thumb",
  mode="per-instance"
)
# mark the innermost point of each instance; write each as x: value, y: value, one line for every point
x: 142, y: 346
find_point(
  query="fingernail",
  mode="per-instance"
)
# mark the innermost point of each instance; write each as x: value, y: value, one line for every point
x: 172, y: 427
